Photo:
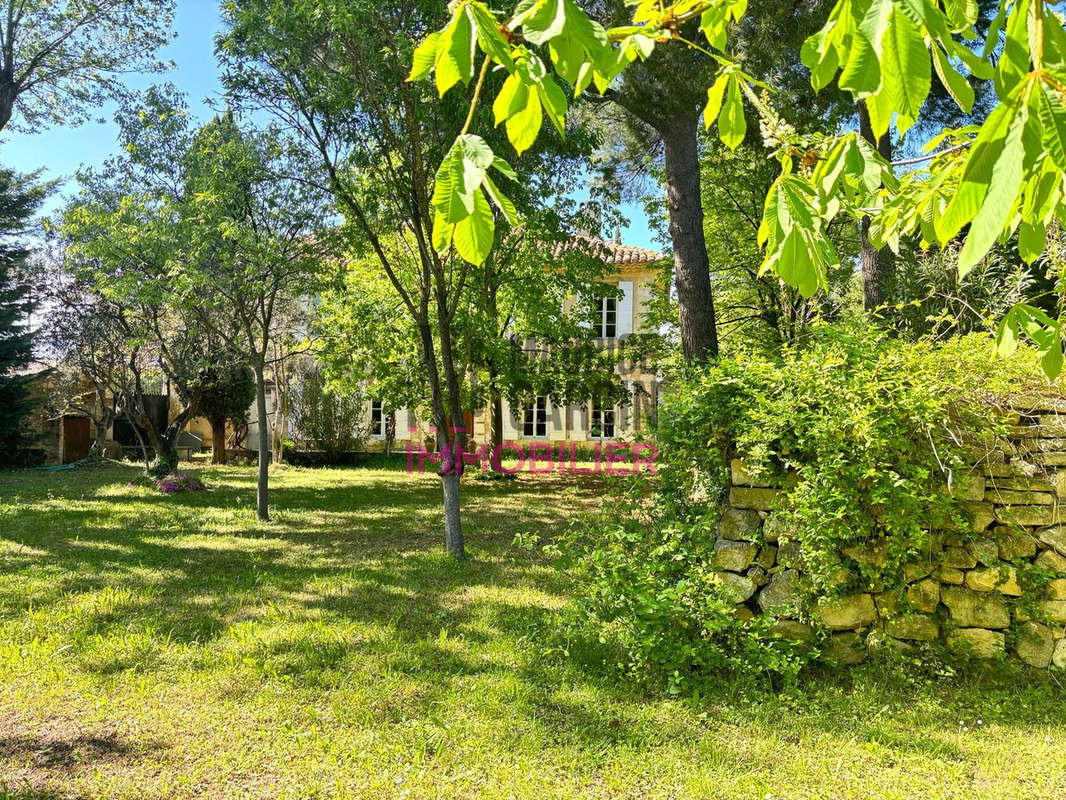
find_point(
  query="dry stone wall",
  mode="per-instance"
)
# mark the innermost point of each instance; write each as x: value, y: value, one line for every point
x: 1000, y: 592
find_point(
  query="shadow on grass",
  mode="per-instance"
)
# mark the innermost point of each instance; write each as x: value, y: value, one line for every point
x: 350, y: 580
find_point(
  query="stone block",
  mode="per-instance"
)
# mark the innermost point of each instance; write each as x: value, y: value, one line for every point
x: 1014, y: 497
x: 789, y: 554
x: 1013, y: 544
x: 925, y: 595
x: 758, y: 575
x: 1055, y: 459
x: 792, y: 629
x: 776, y: 527
x: 917, y: 627
x: 978, y: 641
x: 959, y: 558
x: 846, y: 613
x: 844, y: 648
x: 767, y: 556
x: 918, y: 570
x: 1058, y: 656
x: 1054, y: 537
x: 1055, y: 610
x: 739, y: 524
x: 1056, y: 589
x: 1035, y: 644
x: 972, y: 609
x: 740, y: 475
x: 981, y: 514
x: 758, y: 499
x: 784, y: 594
x: 1050, y: 560
x: 969, y: 487
x: 993, y: 579
x: 734, y: 556
x: 985, y: 550
x: 1027, y: 515
x: 737, y: 588
x: 950, y: 576
x: 1020, y: 485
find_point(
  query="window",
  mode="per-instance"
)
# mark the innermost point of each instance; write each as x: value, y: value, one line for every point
x: 377, y: 419
x: 607, y: 319
x: 602, y: 423
x: 535, y: 422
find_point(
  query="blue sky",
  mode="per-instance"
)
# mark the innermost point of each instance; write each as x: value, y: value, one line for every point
x: 60, y: 151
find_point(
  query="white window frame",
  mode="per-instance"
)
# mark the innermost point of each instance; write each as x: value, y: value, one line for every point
x: 606, y: 419
x: 535, y: 415
x: 607, y: 308
x: 377, y: 431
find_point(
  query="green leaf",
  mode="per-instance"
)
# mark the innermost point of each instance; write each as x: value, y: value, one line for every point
x: 821, y: 59
x: 424, y: 57
x: 455, y: 52
x: 442, y: 232
x: 523, y: 127
x: 1014, y: 60
x: 795, y: 266
x: 999, y: 201
x: 861, y: 73
x: 554, y: 101
x: 513, y: 97
x: 714, y: 100
x: 962, y: 14
x: 958, y: 87
x: 504, y: 168
x: 1052, y: 111
x: 489, y: 37
x: 1007, y: 334
x: 1032, y: 239
x: 475, y: 233
x: 502, y: 202
x: 731, y: 122
x: 906, y: 69
x: 977, y: 174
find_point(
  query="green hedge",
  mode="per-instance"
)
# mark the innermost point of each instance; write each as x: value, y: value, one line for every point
x: 864, y: 430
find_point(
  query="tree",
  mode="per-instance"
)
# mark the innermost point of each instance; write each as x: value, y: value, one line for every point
x: 122, y: 234
x: 328, y: 421
x: 62, y: 59
x: 334, y: 74
x: 227, y: 390
x: 268, y: 241
x: 20, y: 197
x: 1007, y: 175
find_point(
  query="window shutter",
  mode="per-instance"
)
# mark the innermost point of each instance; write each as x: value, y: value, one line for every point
x: 625, y: 309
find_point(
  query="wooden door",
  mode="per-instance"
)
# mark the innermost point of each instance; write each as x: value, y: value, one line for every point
x: 75, y: 438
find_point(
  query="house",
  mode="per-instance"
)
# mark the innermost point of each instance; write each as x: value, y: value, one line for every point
x: 636, y: 270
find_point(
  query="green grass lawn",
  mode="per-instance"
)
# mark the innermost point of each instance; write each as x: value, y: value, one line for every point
x: 171, y: 647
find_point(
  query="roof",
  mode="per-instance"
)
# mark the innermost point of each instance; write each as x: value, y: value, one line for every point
x: 613, y: 253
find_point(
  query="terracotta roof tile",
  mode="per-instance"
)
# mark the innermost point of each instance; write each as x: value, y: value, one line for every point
x: 612, y: 253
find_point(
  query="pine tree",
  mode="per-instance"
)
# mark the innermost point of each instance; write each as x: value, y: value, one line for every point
x: 20, y: 197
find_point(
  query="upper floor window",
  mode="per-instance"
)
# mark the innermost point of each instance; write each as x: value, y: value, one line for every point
x: 606, y: 322
x: 535, y: 421
x: 377, y: 418
x: 601, y: 425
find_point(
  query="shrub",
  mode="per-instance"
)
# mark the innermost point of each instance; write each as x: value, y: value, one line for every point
x: 865, y: 432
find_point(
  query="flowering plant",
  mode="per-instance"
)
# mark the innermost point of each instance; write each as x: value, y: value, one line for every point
x: 179, y: 482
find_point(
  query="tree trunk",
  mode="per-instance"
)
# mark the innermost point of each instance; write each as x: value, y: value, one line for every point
x: 218, y: 441
x: 496, y: 422
x: 262, y: 485
x: 453, y: 530
x: 281, y: 415
x: 878, y: 266
x: 692, y: 276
